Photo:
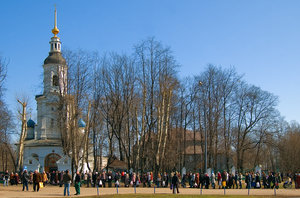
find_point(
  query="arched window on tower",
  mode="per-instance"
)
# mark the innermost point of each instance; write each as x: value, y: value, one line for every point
x: 55, y: 80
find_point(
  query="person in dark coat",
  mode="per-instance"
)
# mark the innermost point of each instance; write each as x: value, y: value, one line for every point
x: 52, y: 177
x: 248, y: 180
x: 206, y: 181
x: 144, y: 180
x: 270, y: 180
x: 235, y: 180
x: 117, y: 180
x: 67, y: 182
x: 264, y: 179
x: 25, y: 179
x: 77, y: 183
x: 257, y: 181
x: 166, y: 179
x: 202, y: 180
x: 224, y: 179
x: 230, y: 181
x: 89, y: 178
x: 37, y: 178
x: 94, y: 179
x: 6, y: 176
x: 109, y: 179
x: 175, y: 182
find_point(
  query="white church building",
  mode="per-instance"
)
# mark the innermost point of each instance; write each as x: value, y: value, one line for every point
x: 43, y: 146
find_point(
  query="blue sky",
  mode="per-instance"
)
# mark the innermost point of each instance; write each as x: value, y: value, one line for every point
x: 260, y: 38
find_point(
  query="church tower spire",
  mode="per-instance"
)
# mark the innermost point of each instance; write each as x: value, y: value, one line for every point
x: 55, y: 30
x: 55, y: 44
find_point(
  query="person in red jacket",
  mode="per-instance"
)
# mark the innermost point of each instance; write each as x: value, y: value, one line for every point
x: 219, y: 180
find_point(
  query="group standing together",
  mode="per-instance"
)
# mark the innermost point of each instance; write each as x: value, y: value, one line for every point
x: 173, y: 180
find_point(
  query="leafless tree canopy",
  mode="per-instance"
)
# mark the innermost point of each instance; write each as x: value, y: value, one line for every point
x: 7, y: 154
x: 138, y: 110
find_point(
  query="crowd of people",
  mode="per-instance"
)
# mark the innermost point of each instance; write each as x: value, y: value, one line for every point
x: 173, y: 180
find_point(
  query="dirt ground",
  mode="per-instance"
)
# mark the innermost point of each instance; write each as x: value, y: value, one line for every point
x: 55, y: 191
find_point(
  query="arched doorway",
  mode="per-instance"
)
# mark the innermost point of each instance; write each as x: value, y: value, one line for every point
x: 50, y: 162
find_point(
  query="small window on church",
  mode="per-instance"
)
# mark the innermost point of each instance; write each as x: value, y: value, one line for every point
x: 55, y: 80
x: 30, y: 162
x: 35, y: 156
x: 52, y: 122
x: 55, y: 45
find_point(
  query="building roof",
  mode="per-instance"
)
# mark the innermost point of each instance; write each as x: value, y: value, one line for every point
x: 55, y: 58
x: 118, y: 164
x: 30, y: 123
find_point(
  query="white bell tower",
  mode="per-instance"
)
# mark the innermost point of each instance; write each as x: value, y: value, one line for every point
x: 55, y: 84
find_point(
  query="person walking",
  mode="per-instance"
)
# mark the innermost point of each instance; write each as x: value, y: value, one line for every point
x: 37, y: 178
x: 175, y: 182
x: 77, y: 183
x: 67, y: 181
x: 6, y: 176
x: 25, y: 179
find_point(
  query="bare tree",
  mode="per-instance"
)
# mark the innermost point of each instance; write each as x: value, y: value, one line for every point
x: 289, y: 148
x: 23, y: 134
x: 253, y: 105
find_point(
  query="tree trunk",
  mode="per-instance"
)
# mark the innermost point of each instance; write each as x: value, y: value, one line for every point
x: 22, y: 136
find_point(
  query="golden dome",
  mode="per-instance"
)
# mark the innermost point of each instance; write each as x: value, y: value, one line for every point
x: 55, y: 31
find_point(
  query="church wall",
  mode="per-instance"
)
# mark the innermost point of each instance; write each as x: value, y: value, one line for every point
x: 47, y: 118
x: 41, y: 152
